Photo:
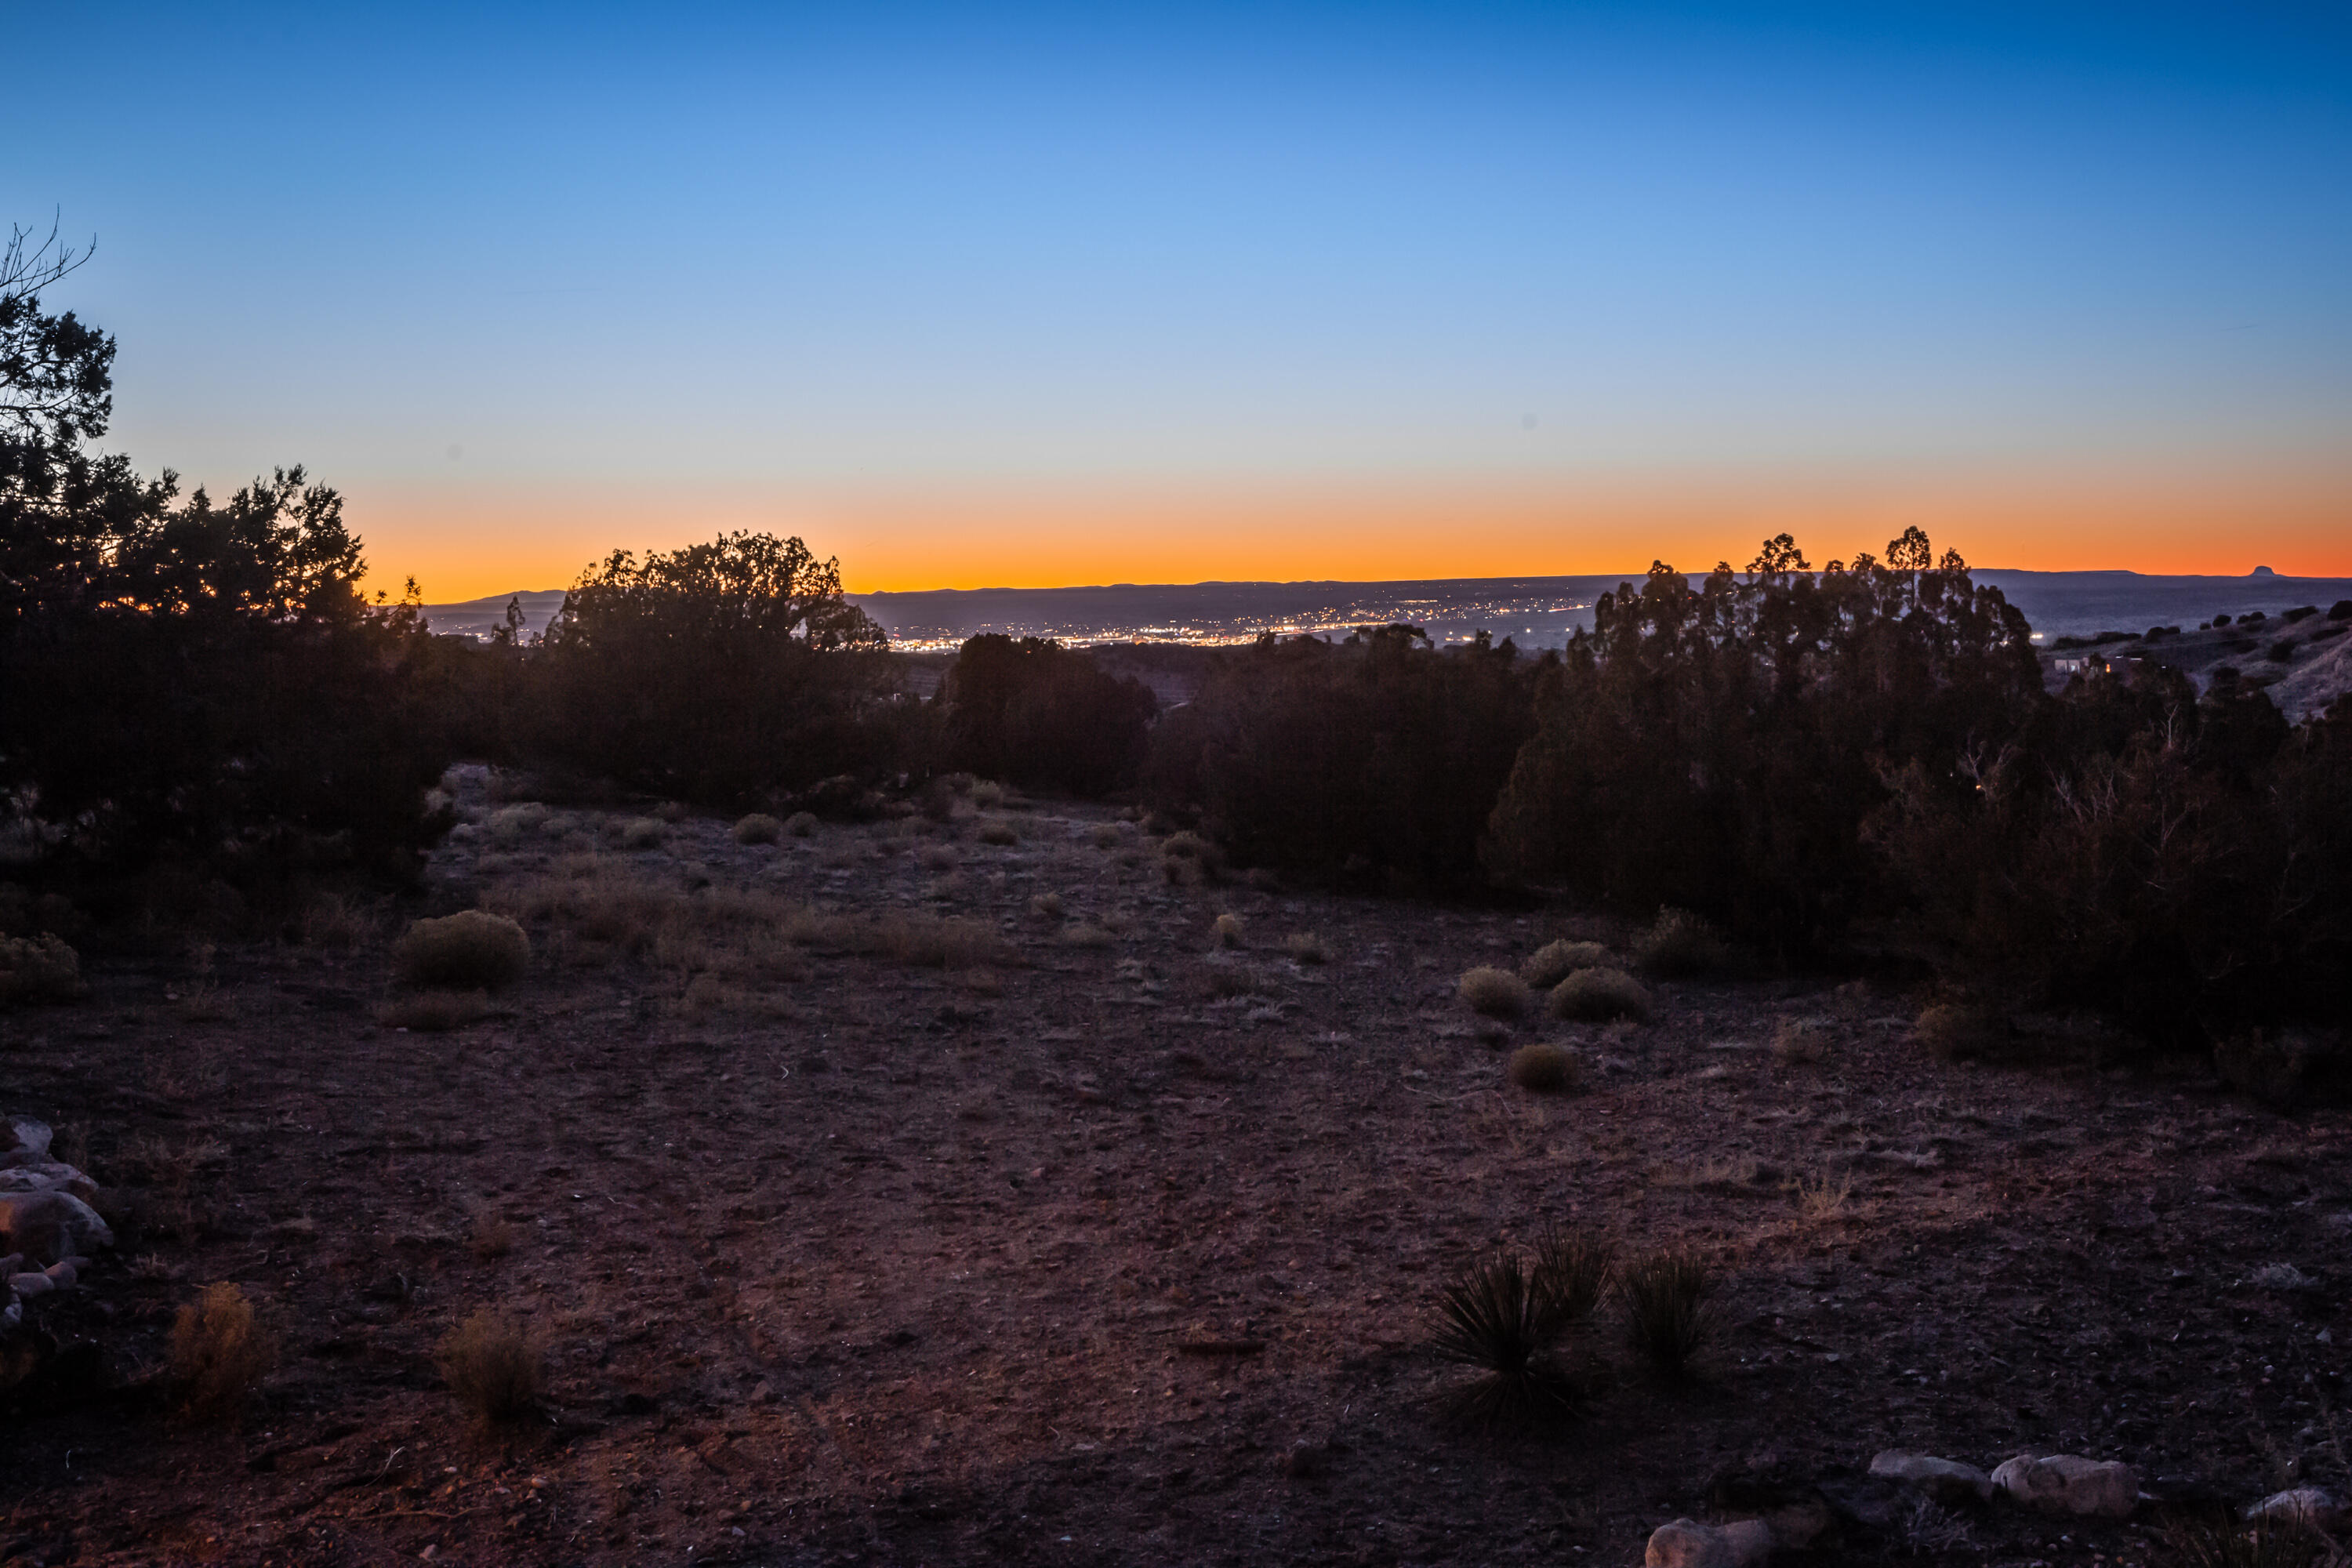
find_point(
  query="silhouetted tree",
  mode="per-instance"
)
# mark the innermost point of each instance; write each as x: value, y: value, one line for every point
x: 1034, y: 713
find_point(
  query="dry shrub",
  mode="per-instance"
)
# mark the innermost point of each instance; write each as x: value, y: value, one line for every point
x: 1494, y: 1319
x: 1668, y: 1315
x: 1799, y: 1042
x: 1307, y: 947
x: 1954, y: 1033
x: 987, y: 793
x: 334, y: 923
x: 1227, y: 931
x: 1542, y: 1069
x: 938, y: 857
x: 758, y: 828
x: 673, y: 811
x: 1495, y: 993
x: 510, y: 824
x: 473, y: 947
x: 643, y: 833
x: 1680, y: 943
x: 489, y: 1237
x: 1000, y: 833
x: 2222, y: 1539
x: 1824, y: 1196
x: 220, y: 1353
x: 1047, y: 906
x: 1082, y: 934
x: 37, y: 969
x: 1104, y: 836
x: 926, y: 941
x: 494, y: 1365
x: 434, y: 1012
x: 1595, y: 996
x: 1555, y: 961
x: 801, y: 824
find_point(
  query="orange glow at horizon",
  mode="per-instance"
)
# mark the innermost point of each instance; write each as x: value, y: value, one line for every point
x: 476, y: 543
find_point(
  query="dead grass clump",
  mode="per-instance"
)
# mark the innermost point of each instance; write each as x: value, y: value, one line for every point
x: 1104, y: 836
x: 334, y: 923
x: 494, y: 1365
x: 1555, y: 961
x: 1669, y: 1318
x: 1081, y: 933
x: 1495, y: 993
x: 37, y: 969
x: 2221, y: 1540
x: 928, y: 941
x: 1227, y: 931
x: 1047, y: 906
x: 472, y: 948
x: 1495, y: 1319
x: 643, y: 833
x: 1824, y: 1196
x: 1542, y: 1069
x: 987, y: 793
x: 1954, y: 1033
x: 1307, y: 947
x: 1680, y: 943
x: 489, y: 1237
x: 801, y: 825
x: 1000, y: 833
x: 1801, y: 1042
x: 938, y: 857
x: 434, y: 1012
x: 758, y: 828
x: 220, y: 1353
x: 1595, y: 996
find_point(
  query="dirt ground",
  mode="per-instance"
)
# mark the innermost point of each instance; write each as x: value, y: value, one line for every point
x: 1113, y: 1246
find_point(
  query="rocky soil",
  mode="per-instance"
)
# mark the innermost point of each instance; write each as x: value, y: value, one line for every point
x: 1083, y: 1240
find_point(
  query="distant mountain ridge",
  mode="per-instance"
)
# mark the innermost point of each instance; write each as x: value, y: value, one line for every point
x: 1536, y: 611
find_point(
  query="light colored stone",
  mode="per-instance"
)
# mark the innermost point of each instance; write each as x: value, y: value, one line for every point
x: 1945, y: 1481
x: 2314, y: 1506
x: 31, y: 1285
x: 49, y: 1226
x: 23, y: 1138
x: 1686, y: 1543
x: 47, y: 1176
x: 63, y: 1274
x: 2068, y: 1483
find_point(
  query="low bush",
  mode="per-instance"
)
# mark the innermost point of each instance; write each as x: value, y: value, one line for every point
x: 1596, y: 996
x: 37, y: 969
x: 643, y: 833
x: 220, y: 1352
x: 1104, y: 836
x: 1227, y: 931
x: 1799, y: 1042
x: 1542, y: 1069
x: 467, y: 951
x: 801, y: 825
x: 1495, y: 993
x: 998, y: 832
x: 1307, y: 947
x: 1555, y: 961
x: 1952, y: 1032
x: 494, y: 1365
x: 1679, y: 944
x: 1668, y: 1312
x: 758, y: 828
x: 1045, y: 906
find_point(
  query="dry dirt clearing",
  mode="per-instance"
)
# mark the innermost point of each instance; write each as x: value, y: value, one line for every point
x: 1070, y: 1236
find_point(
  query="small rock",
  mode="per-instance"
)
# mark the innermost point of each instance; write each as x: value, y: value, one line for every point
x: 31, y: 1285
x: 1686, y: 1543
x: 2313, y: 1506
x: 1945, y: 1481
x: 2068, y: 1483
x: 22, y: 1139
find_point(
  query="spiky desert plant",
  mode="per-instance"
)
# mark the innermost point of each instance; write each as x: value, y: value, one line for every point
x: 1668, y: 1315
x: 1573, y: 1268
x: 1495, y: 993
x: 1494, y: 1320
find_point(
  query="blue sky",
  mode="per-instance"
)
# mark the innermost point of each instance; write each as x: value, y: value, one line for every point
x: 807, y: 253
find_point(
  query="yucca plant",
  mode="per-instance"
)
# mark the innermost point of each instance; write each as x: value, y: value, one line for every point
x: 1668, y: 1318
x: 1572, y: 1269
x: 1497, y: 1320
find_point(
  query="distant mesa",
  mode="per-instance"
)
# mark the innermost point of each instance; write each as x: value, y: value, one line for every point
x: 2261, y: 572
